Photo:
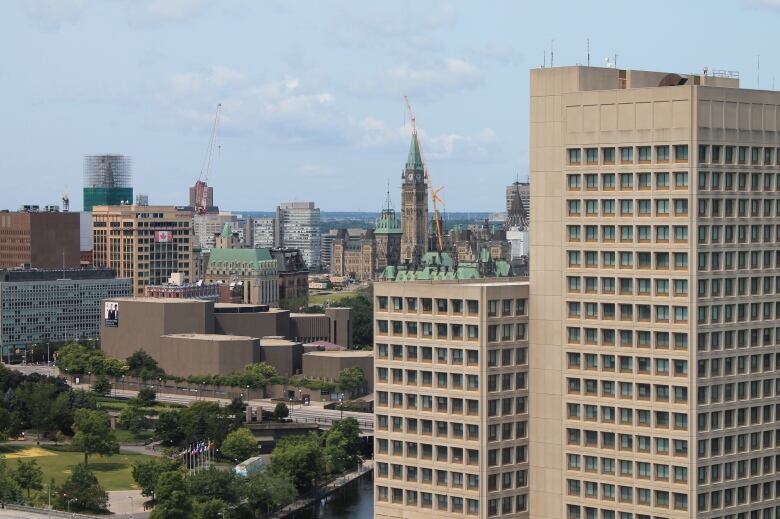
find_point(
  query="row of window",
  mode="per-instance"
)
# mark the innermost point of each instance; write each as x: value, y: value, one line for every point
x: 724, y: 446
x: 626, y: 338
x: 625, y: 312
x: 728, y: 339
x: 627, y: 286
x: 737, y: 365
x: 627, y: 416
x: 717, y: 181
x: 624, y: 494
x: 427, y: 476
x: 628, y: 233
x: 728, y: 418
x: 456, y: 331
x: 627, y: 207
x: 625, y: 364
x: 739, y: 496
x: 659, y: 446
x: 741, y: 469
x: 627, y: 259
x: 737, y: 260
x: 626, y: 468
x: 452, y: 356
x: 627, y: 181
x: 645, y: 155
x: 737, y: 207
x: 736, y: 391
x: 426, y: 305
x: 737, y: 312
x: 717, y: 234
x: 626, y: 389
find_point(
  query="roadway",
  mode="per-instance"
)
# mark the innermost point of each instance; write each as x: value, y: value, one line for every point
x: 315, y: 412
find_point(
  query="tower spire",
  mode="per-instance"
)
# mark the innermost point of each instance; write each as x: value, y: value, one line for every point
x: 388, y: 204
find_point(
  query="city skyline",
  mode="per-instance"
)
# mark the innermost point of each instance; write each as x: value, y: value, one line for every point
x: 296, y: 106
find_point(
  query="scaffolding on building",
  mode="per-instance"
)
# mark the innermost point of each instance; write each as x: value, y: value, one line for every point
x: 107, y: 171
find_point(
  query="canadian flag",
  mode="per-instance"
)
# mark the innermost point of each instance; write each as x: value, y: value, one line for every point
x: 163, y: 236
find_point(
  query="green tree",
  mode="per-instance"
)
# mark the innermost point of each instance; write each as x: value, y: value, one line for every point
x: 362, y: 317
x: 147, y: 473
x: 269, y: 491
x: 146, y: 396
x: 205, y: 420
x: 140, y: 364
x: 93, y: 434
x: 351, y: 379
x: 9, y: 489
x: 281, y: 411
x: 28, y: 475
x: 83, y: 491
x: 239, y: 444
x: 102, y: 386
x: 342, y: 445
x: 302, y: 458
x: 214, y: 483
x: 168, y: 428
x: 133, y: 419
x: 173, y: 502
x: 211, y: 509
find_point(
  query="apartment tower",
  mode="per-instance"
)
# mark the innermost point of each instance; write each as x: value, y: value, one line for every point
x: 144, y: 243
x: 451, y: 422
x: 297, y: 226
x: 654, y: 296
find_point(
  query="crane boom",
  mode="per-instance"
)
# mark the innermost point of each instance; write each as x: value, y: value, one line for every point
x: 201, y: 186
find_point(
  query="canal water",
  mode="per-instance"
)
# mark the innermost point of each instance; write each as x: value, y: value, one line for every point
x: 353, y: 501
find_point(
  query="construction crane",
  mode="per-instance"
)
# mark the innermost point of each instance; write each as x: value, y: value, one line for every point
x: 435, y: 198
x: 201, y: 185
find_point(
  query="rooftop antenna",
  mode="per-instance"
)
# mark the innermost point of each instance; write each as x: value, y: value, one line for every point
x: 615, y: 60
x: 758, y: 71
x: 544, y: 58
x: 552, y: 53
x: 588, y: 45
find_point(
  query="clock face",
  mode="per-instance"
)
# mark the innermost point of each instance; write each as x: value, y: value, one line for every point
x: 409, y: 176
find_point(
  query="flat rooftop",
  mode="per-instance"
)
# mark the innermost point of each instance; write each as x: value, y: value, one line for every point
x: 158, y: 300
x: 342, y: 353
x: 209, y: 337
x: 273, y: 341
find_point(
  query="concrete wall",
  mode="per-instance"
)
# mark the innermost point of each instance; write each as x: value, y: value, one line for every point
x: 142, y: 321
x: 255, y: 324
x: 286, y: 358
x: 326, y: 365
x: 309, y: 327
x: 182, y: 355
x: 340, y: 326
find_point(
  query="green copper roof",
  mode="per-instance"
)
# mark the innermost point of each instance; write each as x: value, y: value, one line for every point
x: 388, y: 223
x: 245, y: 258
x: 435, y: 266
x: 414, y: 162
x: 226, y: 231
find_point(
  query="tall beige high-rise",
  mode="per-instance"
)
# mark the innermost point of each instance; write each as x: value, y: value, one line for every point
x: 144, y: 243
x: 654, y: 296
x: 451, y: 393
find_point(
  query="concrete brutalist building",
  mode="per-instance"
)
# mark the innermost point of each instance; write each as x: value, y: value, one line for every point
x: 194, y: 337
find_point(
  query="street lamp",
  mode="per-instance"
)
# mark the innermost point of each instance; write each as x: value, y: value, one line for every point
x: 341, y: 404
x: 291, y: 407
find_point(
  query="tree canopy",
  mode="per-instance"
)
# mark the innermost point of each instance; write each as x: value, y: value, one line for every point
x: 140, y: 364
x: 93, y: 434
x: 300, y: 457
x: 240, y: 444
x: 28, y: 475
x: 83, y: 491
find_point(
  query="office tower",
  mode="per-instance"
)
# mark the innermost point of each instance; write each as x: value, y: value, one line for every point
x: 263, y: 231
x: 32, y: 238
x: 451, y: 419
x: 207, y: 226
x: 298, y: 227
x: 107, y: 181
x: 518, y: 204
x: 144, y: 243
x: 208, y: 195
x: 40, y: 307
x: 654, y: 295
x: 414, y: 206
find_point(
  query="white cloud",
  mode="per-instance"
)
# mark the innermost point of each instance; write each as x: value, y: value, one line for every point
x: 499, y: 52
x: 52, y: 14
x: 445, y: 76
x: 462, y: 147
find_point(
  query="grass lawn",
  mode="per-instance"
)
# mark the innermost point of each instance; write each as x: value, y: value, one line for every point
x: 123, y: 436
x: 113, y: 472
x: 330, y: 297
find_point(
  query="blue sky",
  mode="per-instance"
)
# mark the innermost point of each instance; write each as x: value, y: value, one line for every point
x: 312, y: 92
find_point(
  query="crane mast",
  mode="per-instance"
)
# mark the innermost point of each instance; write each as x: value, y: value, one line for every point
x: 201, y: 185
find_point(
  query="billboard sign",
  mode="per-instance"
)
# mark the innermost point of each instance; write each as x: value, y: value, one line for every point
x: 111, y: 314
x: 163, y: 236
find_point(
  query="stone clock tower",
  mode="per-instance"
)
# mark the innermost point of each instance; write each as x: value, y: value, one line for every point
x: 414, y: 206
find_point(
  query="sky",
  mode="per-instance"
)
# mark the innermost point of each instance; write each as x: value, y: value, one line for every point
x: 312, y: 92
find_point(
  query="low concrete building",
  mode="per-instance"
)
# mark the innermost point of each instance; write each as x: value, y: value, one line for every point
x: 282, y: 354
x: 227, y: 334
x: 184, y: 354
x: 327, y: 365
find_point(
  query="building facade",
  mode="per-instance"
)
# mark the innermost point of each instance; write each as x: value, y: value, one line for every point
x: 107, y: 181
x: 451, y: 410
x: 518, y: 205
x: 255, y: 270
x: 654, y: 297
x: 263, y: 231
x: 144, y: 243
x: 354, y: 258
x: 414, y: 205
x: 36, y: 239
x: 207, y: 226
x: 53, y: 306
x: 298, y: 227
